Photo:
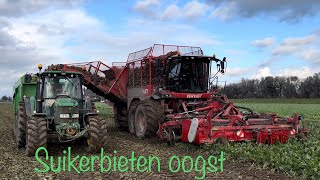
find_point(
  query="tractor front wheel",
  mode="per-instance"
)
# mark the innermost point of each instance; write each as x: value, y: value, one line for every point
x: 149, y: 114
x: 20, y: 126
x: 98, y: 134
x: 36, y: 134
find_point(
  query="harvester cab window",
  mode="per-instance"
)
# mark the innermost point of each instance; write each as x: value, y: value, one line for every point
x: 174, y: 73
x: 188, y: 75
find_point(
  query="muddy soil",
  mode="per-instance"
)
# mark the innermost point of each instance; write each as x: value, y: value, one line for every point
x: 14, y: 164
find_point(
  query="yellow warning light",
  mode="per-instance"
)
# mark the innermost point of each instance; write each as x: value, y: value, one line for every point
x: 39, y: 66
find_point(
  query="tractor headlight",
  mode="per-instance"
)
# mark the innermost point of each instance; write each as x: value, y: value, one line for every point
x: 64, y: 116
x: 75, y: 116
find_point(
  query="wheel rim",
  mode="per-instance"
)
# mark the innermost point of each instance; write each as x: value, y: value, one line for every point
x: 141, y: 121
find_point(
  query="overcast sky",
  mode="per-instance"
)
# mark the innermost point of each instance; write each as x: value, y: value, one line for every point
x: 259, y: 38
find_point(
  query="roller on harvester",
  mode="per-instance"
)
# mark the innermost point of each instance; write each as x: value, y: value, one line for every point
x: 166, y: 90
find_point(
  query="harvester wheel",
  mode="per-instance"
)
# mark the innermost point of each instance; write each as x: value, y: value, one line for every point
x: 98, y: 134
x: 131, y: 115
x: 120, y: 118
x: 36, y: 134
x: 20, y: 126
x: 149, y: 114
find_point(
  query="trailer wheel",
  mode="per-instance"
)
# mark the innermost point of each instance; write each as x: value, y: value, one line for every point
x: 131, y: 115
x: 20, y: 126
x: 98, y: 134
x: 36, y: 134
x: 149, y: 114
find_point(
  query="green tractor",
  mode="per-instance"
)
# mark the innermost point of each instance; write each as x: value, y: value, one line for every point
x: 51, y: 105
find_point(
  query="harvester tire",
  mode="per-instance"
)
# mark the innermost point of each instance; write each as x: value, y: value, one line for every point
x: 120, y: 118
x: 98, y: 134
x: 149, y: 114
x: 36, y: 134
x: 20, y: 126
x: 131, y: 115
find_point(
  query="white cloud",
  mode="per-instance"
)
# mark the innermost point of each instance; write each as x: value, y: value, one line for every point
x: 283, y: 10
x: 19, y: 7
x: 306, y: 48
x: 238, y: 72
x: 153, y: 9
x: 195, y: 9
x: 172, y: 11
x: 311, y: 54
x: 262, y: 43
x: 301, y: 72
x: 147, y: 7
x: 225, y: 12
x: 264, y: 72
x: 298, y: 41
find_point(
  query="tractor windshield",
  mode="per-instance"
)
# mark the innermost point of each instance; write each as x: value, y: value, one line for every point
x: 62, y: 85
x: 189, y: 75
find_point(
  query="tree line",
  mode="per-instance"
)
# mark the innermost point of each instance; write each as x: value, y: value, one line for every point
x: 6, y: 98
x: 275, y: 87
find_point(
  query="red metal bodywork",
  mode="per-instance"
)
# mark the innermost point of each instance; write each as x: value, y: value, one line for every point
x: 216, y: 117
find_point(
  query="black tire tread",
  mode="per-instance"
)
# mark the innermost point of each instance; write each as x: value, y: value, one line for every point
x: 21, y: 126
x: 98, y: 133
x: 155, y: 116
x: 120, y: 119
x: 36, y: 134
x: 131, y: 118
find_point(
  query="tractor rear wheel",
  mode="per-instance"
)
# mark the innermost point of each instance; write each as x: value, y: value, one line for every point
x: 131, y: 115
x: 98, y: 134
x: 20, y: 126
x: 36, y: 134
x: 149, y: 114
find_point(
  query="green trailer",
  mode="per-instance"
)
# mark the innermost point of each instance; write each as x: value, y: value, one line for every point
x: 26, y: 86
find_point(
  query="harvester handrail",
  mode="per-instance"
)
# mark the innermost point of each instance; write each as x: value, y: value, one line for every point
x: 150, y: 51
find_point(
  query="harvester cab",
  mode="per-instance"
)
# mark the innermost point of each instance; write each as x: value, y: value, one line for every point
x: 189, y: 73
x: 57, y: 110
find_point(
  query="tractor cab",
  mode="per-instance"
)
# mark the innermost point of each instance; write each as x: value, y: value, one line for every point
x: 60, y: 98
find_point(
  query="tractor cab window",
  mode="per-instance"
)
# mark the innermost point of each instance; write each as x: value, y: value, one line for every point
x: 62, y: 86
x: 187, y: 75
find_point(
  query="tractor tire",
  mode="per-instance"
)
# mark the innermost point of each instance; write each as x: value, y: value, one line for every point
x: 98, y: 134
x: 149, y: 114
x: 36, y: 135
x: 120, y: 118
x: 131, y: 116
x: 20, y: 126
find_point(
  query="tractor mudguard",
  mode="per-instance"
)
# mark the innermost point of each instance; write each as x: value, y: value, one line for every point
x: 30, y: 103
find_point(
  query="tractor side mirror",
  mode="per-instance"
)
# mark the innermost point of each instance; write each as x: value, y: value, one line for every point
x: 222, y: 65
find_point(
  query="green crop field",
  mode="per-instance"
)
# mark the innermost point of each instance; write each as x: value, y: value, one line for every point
x: 104, y: 110
x: 296, y: 158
